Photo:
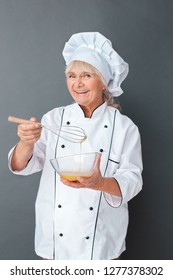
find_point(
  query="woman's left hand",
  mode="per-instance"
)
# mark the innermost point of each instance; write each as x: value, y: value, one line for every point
x: 94, y: 182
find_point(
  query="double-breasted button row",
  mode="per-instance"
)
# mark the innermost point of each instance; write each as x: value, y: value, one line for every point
x: 90, y: 208
x: 63, y: 146
x: 61, y: 235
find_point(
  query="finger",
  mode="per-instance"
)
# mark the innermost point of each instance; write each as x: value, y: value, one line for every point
x: 29, y: 134
x: 29, y: 131
x: 32, y: 138
x: 27, y: 127
x: 35, y: 122
x: 84, y: 181
x: 32, y: 134
x: 73, y: 184
x: 98, y: 160
x: 33, y: 119
x: 99, y: 155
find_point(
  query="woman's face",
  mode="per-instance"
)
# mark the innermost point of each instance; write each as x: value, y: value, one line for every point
x: 86, y: 89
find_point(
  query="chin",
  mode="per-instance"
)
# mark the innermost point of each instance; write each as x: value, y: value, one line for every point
x: 81, y: 101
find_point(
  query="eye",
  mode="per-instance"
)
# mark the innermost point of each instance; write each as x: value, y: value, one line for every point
x: 71, y: 76
x: 87, y: 75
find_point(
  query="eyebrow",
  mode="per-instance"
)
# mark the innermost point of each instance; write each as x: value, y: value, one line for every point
x: 84, y: 72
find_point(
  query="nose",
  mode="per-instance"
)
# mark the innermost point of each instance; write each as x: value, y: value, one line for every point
x: 79, y: 81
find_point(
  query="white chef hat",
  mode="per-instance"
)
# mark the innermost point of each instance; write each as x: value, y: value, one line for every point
x: 95, y: 49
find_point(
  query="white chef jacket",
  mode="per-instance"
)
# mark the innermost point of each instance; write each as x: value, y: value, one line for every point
x: 83, y: 223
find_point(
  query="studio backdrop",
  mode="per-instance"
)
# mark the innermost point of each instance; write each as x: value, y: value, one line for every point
x: 32, y: 82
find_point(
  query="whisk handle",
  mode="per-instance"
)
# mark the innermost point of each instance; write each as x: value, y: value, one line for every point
x: 18, y: 120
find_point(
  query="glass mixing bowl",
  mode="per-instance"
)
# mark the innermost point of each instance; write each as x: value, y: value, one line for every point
x: 71, y: 167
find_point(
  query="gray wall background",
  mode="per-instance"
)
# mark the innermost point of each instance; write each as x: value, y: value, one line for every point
x: 32, y: 36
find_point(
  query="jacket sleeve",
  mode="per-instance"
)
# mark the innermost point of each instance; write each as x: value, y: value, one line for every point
x: 129, y: 172
x: 37, y: 161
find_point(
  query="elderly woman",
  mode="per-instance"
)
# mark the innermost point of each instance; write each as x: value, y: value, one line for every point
x: 87, y: 218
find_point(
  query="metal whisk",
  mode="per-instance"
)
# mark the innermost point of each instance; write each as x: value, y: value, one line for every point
x: 72, y: 134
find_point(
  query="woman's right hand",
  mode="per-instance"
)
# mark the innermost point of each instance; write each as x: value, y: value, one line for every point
x: 29, y: 133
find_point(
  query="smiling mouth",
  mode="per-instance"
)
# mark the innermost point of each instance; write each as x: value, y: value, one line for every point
x: 81, y: 92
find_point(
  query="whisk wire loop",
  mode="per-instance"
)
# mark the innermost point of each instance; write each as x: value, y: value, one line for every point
x: 72, y: 134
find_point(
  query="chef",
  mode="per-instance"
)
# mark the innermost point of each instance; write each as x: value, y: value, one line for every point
x: 87, y: 218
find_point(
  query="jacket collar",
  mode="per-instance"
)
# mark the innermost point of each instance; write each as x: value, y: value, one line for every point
x: 97, y: 112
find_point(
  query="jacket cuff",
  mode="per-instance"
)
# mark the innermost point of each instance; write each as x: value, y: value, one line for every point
x: 24, y: 171
x: 113, y: 200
